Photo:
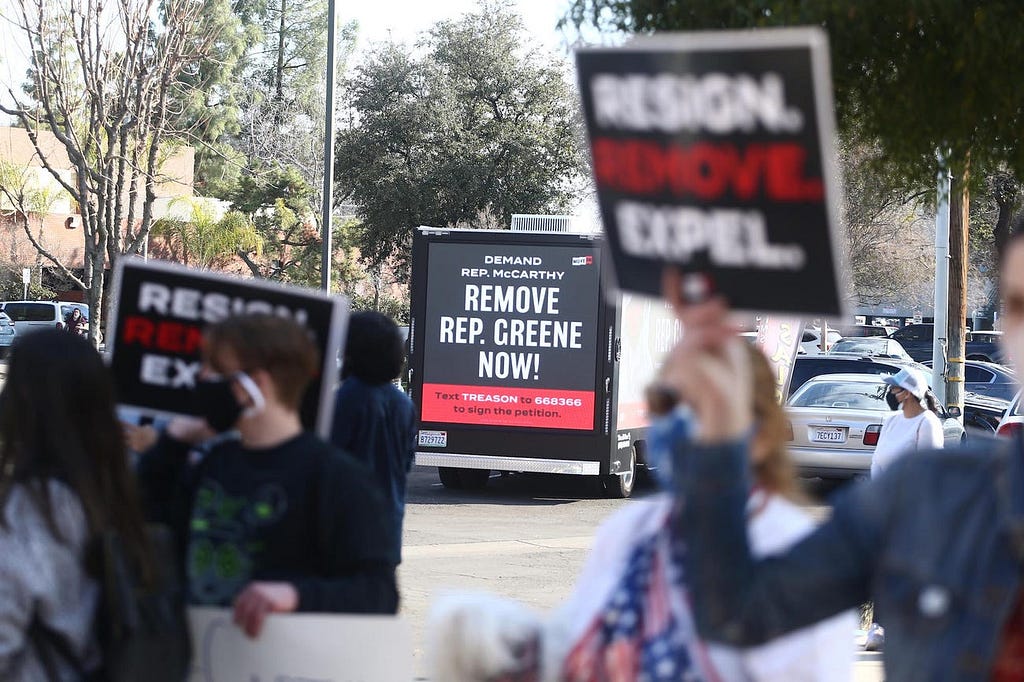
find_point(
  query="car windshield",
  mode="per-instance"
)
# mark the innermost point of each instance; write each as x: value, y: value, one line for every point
x: 856, y: 395
x: 873, y: 346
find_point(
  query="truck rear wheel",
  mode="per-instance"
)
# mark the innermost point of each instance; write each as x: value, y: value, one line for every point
x: 620, y: 486
x: 474, y: 479
x: 450, y: 478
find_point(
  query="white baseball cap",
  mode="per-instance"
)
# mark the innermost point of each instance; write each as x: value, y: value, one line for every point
x: 910, y: 380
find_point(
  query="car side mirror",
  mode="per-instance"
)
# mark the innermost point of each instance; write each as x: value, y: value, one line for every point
x: 954, y: 412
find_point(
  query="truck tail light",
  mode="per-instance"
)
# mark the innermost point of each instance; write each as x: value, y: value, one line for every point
x: 1010, y: 429
x: 871, y: 434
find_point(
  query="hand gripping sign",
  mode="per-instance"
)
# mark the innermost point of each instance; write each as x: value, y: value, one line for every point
x: 713, y: 152
x: 156, y: 325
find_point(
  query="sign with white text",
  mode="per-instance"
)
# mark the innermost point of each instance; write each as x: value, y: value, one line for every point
x: 649, y: 329
x: 325, y: 648
x: 713, y: 152
x: 779, y: 339
x: 511, y: 335
x: 156, y: 326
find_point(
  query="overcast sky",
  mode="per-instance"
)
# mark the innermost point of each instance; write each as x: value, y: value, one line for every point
x: 401, y: 20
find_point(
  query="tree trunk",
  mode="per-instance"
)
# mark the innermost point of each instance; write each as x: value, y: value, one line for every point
x: 1006, y: 193
x: 959, y: 229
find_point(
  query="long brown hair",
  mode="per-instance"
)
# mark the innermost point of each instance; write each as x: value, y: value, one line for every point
x: 58, y: 422
x: 775, y: 471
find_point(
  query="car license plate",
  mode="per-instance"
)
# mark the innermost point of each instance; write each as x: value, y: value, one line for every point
x: 829, y: 435
x: 433, y: 439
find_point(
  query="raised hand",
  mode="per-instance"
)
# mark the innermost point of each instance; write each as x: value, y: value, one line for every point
x: 709, y: 368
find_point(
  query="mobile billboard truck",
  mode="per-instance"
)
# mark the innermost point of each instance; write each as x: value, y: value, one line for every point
x: 519, y: 362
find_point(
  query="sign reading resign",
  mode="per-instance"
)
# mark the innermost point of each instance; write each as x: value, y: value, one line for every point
x: 161, y: 310
x: 714, y: 152
x: 511, y: 335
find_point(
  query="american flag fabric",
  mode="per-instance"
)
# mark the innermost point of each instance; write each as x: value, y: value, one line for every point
x: 645, y: 632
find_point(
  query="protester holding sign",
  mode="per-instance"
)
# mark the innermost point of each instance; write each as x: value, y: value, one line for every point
x: 629, y: 617
x: 935, y: 540
x: 374, y: 421
x: 276, y: 521
x: 64, y: 480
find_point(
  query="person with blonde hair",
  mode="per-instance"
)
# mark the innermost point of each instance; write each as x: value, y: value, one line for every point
x: 629, y: 615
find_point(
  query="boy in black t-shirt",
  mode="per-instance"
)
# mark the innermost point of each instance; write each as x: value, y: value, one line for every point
x: 275, y: 520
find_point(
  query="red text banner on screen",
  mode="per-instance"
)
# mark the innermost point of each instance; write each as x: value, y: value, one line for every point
x: 505, y: 406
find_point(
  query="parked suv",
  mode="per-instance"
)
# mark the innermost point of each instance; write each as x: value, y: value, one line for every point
x: 29, y: 315
x: 916, y: 339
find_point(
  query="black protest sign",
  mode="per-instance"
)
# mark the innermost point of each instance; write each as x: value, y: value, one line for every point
x: 155, y: 333
x: 714, y: 152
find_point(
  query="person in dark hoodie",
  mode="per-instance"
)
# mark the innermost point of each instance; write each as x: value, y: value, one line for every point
x: 275, y: 520
x: 374, y: 420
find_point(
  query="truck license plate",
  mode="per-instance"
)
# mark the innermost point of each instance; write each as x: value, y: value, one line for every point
x: 433, y: 439
x: 829, y: 436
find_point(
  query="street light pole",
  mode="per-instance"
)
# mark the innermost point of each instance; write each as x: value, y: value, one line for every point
x: 326, y: 254
x: 941, y: 282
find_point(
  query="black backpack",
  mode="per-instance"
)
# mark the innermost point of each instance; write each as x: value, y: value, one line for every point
x: 143, y: 633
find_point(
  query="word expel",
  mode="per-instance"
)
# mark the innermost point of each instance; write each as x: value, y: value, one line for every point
x: 192, y: 304
x: 715, y: 102
x: 730, y: 238
x: 492, y: 298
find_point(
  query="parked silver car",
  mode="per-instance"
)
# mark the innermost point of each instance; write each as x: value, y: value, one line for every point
x: 8, y: 332
x: 871, y: 347
x: 836, y: 420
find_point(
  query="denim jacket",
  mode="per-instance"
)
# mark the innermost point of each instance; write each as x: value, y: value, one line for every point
x: 937, y: 542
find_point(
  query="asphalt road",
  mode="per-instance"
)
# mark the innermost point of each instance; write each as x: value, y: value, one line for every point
x: 524, y: 537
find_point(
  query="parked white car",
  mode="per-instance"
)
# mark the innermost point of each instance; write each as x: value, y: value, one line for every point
x: 29, y: 315
x: 870, y: 347
x: 1013, y: 419
x: 836, y: 421
x: 810, y: 343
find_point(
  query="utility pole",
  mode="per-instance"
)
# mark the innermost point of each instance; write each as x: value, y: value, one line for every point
x: 326, y: 254
x: 959, y: 238
x: 941, y: 282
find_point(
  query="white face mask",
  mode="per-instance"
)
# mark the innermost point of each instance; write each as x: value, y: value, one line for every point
x: 250, y: 387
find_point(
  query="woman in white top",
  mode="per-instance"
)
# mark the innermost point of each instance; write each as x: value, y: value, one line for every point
x: 914, y: 426
x: 629, y: 616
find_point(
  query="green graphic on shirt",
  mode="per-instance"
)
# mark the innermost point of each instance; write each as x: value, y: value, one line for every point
x: 225, y: 540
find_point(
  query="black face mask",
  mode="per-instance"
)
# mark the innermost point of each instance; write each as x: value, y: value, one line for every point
x: 891, y: 399
x: 217, y: 404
